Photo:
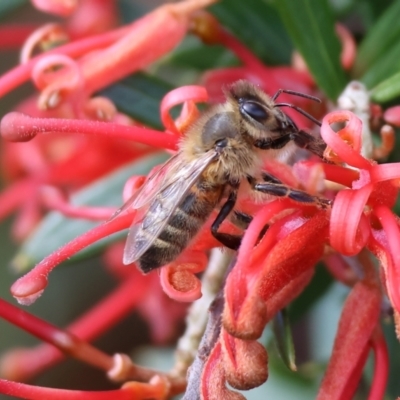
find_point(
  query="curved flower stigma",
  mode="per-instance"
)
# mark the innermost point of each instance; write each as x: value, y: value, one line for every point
x: 46, y: 36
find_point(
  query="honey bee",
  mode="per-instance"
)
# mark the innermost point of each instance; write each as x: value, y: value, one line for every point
x: 224, y: 149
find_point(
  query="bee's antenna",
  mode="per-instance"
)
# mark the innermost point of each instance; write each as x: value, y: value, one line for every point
x: 294, y: 93
x: 300, y: 110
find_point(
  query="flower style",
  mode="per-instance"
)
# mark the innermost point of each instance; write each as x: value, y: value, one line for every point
x: 280, y: 247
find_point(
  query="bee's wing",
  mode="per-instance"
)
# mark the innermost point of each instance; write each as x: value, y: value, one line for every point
x: 175, y: 187
x: 151, y: 186
x: 157, y: 181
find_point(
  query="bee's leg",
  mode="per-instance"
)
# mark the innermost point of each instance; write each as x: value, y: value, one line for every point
x: 241, y: 219
x: 306, y: 141
x: 275, y: 187
x: 276, y: 143
x: 228, y: 240
x: 301, y: 138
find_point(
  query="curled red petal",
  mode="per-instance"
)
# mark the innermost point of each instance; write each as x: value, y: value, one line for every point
x: 349, y: 231
x: 349, y: 154
x: 21, y: 74
x: 178, y: 279
x: 189, y: 114
x: 49, y: 33
x: 179, y: 96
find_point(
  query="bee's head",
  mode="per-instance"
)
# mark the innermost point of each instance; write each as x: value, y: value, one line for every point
x: 259, y: 116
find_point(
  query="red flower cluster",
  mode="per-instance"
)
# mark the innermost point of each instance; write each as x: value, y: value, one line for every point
x: 268, y: 273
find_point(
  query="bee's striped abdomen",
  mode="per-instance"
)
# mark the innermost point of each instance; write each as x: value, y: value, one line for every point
x: 187, y: 220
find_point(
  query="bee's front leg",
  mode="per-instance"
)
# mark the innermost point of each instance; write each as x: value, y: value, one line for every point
x: 273, y: 143
x: 275, y: 187
x: 306, y: 141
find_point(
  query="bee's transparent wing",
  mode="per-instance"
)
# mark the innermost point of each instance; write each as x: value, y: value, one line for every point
x: 175, y: 187
x: 151, y: 186
x: 157, y: 181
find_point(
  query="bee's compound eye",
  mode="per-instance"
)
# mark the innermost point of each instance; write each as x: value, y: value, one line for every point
x: 222, y: 143
x: 254, y: 110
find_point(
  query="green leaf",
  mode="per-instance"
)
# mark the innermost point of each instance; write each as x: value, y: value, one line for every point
x: 342, y: 7
x: 386, y: 90
x: 8, y: 6
x: 387, y: 65
x: 258, y: 26
x: 55, y: 230
x: 310, y: 24
x: 379, y: 42
x: 139, y: 96
x: 131, y: 10
x: 376, y: 8
x: 284, y: 339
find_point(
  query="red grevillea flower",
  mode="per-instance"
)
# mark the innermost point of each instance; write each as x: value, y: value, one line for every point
x: 271, y: 272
